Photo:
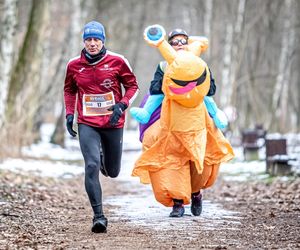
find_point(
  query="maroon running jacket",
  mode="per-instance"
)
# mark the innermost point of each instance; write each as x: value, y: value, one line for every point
x: 87, y: 80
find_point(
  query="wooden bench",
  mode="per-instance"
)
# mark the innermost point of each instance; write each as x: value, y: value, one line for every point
x: 250, y: 143
x: 277, y: 158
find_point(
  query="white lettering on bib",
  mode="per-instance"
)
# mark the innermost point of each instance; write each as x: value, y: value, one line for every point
x: 97, y: 104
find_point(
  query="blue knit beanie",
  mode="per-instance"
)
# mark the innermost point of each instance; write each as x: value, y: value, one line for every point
x: 94, y: 29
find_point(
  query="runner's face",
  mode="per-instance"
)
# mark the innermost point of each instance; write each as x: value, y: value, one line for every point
x: 180, y: 46
x: 93, y: 45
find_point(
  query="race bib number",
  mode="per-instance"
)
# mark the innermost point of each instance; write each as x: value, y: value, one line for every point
x: 97, y: 104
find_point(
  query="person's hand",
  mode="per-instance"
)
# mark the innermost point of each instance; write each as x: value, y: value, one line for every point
x: 117, y: 110
x: 69, y: 124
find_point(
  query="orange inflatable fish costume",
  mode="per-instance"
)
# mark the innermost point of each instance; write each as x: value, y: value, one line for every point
x: 182, y: 151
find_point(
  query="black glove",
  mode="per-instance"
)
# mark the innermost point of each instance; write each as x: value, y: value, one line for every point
x: 117, y: 110
x: 69, y: 125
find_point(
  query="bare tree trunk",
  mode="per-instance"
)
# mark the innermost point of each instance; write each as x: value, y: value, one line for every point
x: 24, y: 85
x: 58, y: 136
x: 73, y: 35
x: 284, y: 122
x: 207, y: 23
x: 297, y: 66
x: 280, y: 96
x: 44, y: 81
x: 7, y: 29
x: 226, y: 65
x: 236, y: 53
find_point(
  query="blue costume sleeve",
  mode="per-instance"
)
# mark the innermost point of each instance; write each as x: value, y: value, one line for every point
x: 218, y: 115
x: 142, y: 115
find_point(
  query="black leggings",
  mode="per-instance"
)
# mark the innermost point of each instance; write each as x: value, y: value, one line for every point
x: 94, y: 142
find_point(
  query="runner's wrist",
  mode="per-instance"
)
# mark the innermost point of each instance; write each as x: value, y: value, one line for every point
x: 122, y: 105
x: 69, y: 117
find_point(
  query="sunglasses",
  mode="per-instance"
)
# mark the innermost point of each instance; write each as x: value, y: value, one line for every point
x: 176, y: 42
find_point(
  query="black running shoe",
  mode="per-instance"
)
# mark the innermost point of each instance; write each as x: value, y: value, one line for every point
x: 99, y: 225
x: 178, y: 210
x: 196, y: 207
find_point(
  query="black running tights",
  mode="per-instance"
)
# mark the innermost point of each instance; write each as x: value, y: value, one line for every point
x: 94, y: 142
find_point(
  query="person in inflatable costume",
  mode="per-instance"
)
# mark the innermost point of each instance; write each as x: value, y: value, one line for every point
x: 178, y: 38
x: 182, y: 151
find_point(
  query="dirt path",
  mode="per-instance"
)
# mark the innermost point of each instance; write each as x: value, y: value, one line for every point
x: 43, y: 213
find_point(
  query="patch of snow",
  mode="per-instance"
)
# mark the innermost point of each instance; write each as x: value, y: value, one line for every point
x: 55, y: 157
x: 42, y: 168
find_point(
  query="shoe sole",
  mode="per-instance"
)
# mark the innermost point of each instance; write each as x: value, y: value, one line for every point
x: 99, y: 228
x: 175, y: 216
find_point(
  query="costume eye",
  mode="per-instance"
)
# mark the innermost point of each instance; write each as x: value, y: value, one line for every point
x: 199, y: 80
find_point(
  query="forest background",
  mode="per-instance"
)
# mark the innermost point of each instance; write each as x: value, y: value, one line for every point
x: 254, y: 55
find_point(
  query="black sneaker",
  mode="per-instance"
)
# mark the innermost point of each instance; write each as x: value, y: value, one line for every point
x: 196, y: 207
x: 99, y: 225
x: 178, y: 210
